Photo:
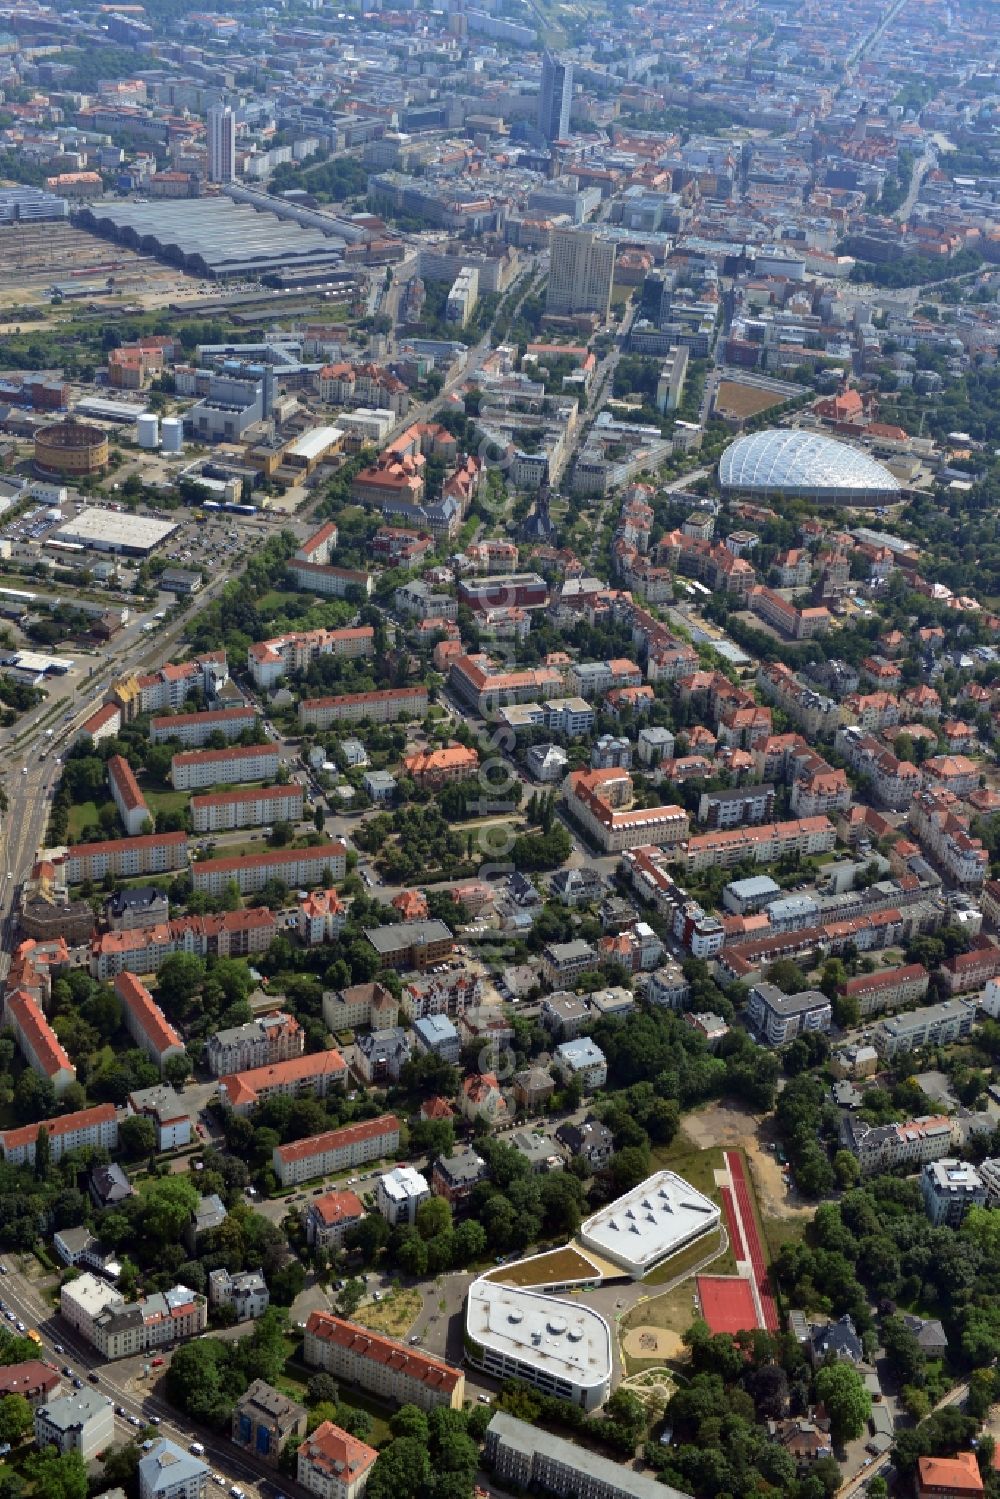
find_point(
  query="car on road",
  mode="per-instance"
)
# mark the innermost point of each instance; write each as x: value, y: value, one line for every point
x: 20, y: 1325
x: 77, y: 1383
x: 154, y: 1420
x: 157, y: 1362
x: 58, y: 1348
x: 94, y: 1379
x: 120, y: 1411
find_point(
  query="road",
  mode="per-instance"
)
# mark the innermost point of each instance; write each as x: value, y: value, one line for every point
x: 28, y: 1304
x: 859, y: 1483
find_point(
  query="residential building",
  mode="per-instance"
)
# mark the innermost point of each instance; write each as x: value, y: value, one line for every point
x: 438, y: 1035
x: 454, y: 1177
x: 933, y: 1025
x: 336, y: 1149
x: 883, y: 1147
x: 269, y: 660
x: 740, y: 806
x: 194, y: 730
x: 411, y: 944
x: 251, y: 807
x: 171, y: 1120
x: 296, y: 867
x: 244, y: 1290
x: 888, y: 988
x: 334, y: 1465
x: 390, y: 1370
x: 127, y: 797
x: 192, y: 769
x: 581, y: 1060
x: 276, y: 1037
x: 221, y: 144
x: 37, y: 1381
x: 37, y: 1041
x: 130, y: 910
x: 778, y: 1018
x: 96, y: 1127
x: 82, y: 1422
x: 264, y: 1420
x: 380, y: 1056
x: 332, y: 1215
x: 83, y: 1300
x: 399, y: 1193
x: 129, y: 1328
x: 109, y: 1185
x: 591, y: 1140
x: 564, y: 1014
x: 226, y: 934
x: 435, y: 768
x: 316, y: 1073
x: 535, y: 1460
x: 759, y: 845
x: 386, y: 706
x: 166, y: 1471
x: 950, y: 1188
x: 564, y: 962
x: 481, y: 1098
x: 955, y: 1477
x: 321, y: 918
x: 600, y: 802
x: 360, y: 1006
x: 146, y: 1022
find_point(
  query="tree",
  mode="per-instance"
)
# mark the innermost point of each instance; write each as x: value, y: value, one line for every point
x: 43, y: 1153
x: 16, y: 1418
x: 57, y: 1476
x: 177, y: 1069
x: 846, y: 1169
x: 322, y: 1387
x: 410, y: 1421
x: 433, y: 1217
x: 178, y: 980
x: 121, y: 1467
x: 848, y: 1403
x: 137, y: 1137
x: 401, y: 1470
x: 168, y: 1207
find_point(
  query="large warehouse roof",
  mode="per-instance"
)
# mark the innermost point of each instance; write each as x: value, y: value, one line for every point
x: 215, y: 236
x: 115, y: 530
x: 791, y: 461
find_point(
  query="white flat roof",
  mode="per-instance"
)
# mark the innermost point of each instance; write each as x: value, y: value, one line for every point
x: 652, y: 1221
x: 404, y: 1182
x: 565, y: 1338
x: 314, y: 444
x: 116, y: 528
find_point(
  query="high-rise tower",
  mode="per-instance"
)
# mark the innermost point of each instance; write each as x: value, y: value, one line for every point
x: 555, y: 97
x: 221, y: 144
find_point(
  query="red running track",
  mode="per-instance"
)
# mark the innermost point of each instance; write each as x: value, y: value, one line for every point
x: 732, y: 1224
x: 757, y: 1261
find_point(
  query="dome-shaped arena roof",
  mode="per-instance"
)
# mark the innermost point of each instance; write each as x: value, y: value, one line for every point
x: 793, y: 462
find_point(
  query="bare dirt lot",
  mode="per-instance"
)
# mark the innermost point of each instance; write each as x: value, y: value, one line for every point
x: 733, y: 399
x: 727, y: 1124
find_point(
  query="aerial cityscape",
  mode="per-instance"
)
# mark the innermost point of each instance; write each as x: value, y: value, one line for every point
x: 500, y: 749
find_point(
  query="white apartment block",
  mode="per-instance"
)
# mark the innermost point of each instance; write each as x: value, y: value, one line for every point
x: 950, y: 1188
x: 83, y: 1422
x: 259, y: 806
x: 251, y: 872
x: 399, y: 1193
x: 151, y: 853
x: 884, y: 1147
x: 83, y: 1300
x: 96, y: 1127
x: 195, y: 729
x: 336, y: 1150
x: 246, y: 762
x: 933, y: 1025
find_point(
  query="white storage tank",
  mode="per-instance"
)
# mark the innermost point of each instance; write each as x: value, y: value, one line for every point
x: 148, y: 430
x: 172, y: 435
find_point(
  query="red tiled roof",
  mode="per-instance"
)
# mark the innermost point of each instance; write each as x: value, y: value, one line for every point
x: 114, y: 845
x: 358, y: 1340
x: 137, y: 999
x: 244, y: 1085
x: 66, y: 1124
x: 273, y: 856
x: 246, y: 794
x: 350, y: 1134
x: 335, y: 1207
x: 232, y: 752
x: 122, y: 778
x: 210, y: 716
x: 38, y: 1034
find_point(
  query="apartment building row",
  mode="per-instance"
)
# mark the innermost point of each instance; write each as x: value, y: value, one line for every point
x: 118, y: 1328
x: 320, y: 864
x: 894, y: 782
x: 269, y: 660
x: 317, y: 1073
x: 478, y: 682
x: 229, y: 934
x: 125, y: 858
x: 169, y: 688
x: 194, y: 730
x: 816, y: 715
x: 36, y: 1040
x: 787, y: 618
x: 888, y: 988
x: 384, y: 706
x: 192, y: 769
x: 145, y: 1021
x: 933, y: 1025
x: 945, y: 837
x: 600, y: 802
x: 95, y: 1128
x: 699, y: 932
x: 127, y: 797
x: 745, y: 962
x: 336, y: 1150
x: 758, y: 845
x: 387, y: 1369
x: 252, y: 807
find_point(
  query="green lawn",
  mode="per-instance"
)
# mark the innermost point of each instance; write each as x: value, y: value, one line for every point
x: 165, y: 801
x: 84, y: 814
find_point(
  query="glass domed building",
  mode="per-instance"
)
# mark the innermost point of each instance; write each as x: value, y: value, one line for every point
x: 807, y: 465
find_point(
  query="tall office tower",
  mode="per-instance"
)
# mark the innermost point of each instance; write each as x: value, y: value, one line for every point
x: 221, y: 144
x: 555, y: 98
x: 581, y: 271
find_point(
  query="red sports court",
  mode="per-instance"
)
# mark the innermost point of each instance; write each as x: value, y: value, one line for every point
x: 727, y: 1303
